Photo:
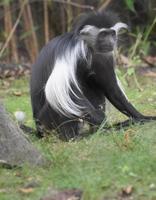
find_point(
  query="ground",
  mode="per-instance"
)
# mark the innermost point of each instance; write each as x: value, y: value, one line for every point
x: 105, y: 165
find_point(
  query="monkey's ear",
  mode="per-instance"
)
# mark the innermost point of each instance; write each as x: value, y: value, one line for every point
x: 119, y: 26
x: 88, y: 29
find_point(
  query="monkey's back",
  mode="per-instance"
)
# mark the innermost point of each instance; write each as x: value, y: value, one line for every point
x: 40, y: 73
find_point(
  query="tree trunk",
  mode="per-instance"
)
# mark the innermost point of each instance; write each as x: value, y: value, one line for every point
x: 8, y: 28
x: 15, y: 149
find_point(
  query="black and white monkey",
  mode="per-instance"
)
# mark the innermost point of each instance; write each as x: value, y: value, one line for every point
x: 74, y: 74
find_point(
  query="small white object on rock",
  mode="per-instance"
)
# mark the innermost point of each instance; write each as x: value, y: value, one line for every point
x: 152, y: 186
x: 20, y: 116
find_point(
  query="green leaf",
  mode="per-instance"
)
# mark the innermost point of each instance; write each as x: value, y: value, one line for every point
x: 118, y: 71
x: 130, y: 5
x: 130, y: 71
x: 124, y: 82
x: 6, y: 2
x: 28, y: 33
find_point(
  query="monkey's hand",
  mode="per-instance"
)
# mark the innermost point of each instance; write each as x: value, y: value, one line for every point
x: 95, y: 117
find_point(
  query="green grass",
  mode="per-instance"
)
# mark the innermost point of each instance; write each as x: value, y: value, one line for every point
x: 101, y: 165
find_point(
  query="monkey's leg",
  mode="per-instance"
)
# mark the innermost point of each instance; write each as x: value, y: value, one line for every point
x: 47, y: 119
x: 106, y: 78
x: 127, y: 123
x: 39, y: 129
x: 66, y: 128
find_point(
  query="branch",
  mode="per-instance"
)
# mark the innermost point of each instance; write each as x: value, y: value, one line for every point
x: 104, y: 5
x: 13, y: 30
x: 75, y: 4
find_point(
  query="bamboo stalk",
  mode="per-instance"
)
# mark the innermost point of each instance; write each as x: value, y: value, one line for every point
x: 63, y: 18
x: 7, y: 31
x: 31, y: 41
x: 69, y: 15
x: 12, y: 31
x: 69, y: 2
x: 46, y: 21
x: 13, y: 42
x: 104, y: 5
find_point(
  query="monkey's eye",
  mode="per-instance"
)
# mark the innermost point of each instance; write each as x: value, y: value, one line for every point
x: 108, y: 32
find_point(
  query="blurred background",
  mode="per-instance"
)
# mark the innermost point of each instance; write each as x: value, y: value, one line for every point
x: 26, y: 25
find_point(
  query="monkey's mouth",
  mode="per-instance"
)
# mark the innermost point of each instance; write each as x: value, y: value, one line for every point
x: 105, y: 49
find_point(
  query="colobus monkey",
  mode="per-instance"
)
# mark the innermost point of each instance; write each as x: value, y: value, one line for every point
x: 73, y: 75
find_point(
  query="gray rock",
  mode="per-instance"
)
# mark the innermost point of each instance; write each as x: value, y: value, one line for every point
x: 15, y: 149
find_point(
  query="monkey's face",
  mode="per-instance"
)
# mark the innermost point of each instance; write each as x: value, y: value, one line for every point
x: 105, y: 41
x: 101, y: 40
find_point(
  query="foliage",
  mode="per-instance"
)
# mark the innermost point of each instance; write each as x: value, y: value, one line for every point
x: 5, y: 2
x: 130, y: 5
x: 101, y: 165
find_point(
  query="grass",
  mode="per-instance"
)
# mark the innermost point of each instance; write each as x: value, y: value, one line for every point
x: 101, y: 165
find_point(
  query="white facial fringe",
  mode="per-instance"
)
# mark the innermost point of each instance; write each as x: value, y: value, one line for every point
x: 58, y: 87
x: 119, y: 26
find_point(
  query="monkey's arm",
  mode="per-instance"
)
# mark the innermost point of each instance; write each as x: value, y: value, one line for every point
x: 106, y: 78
